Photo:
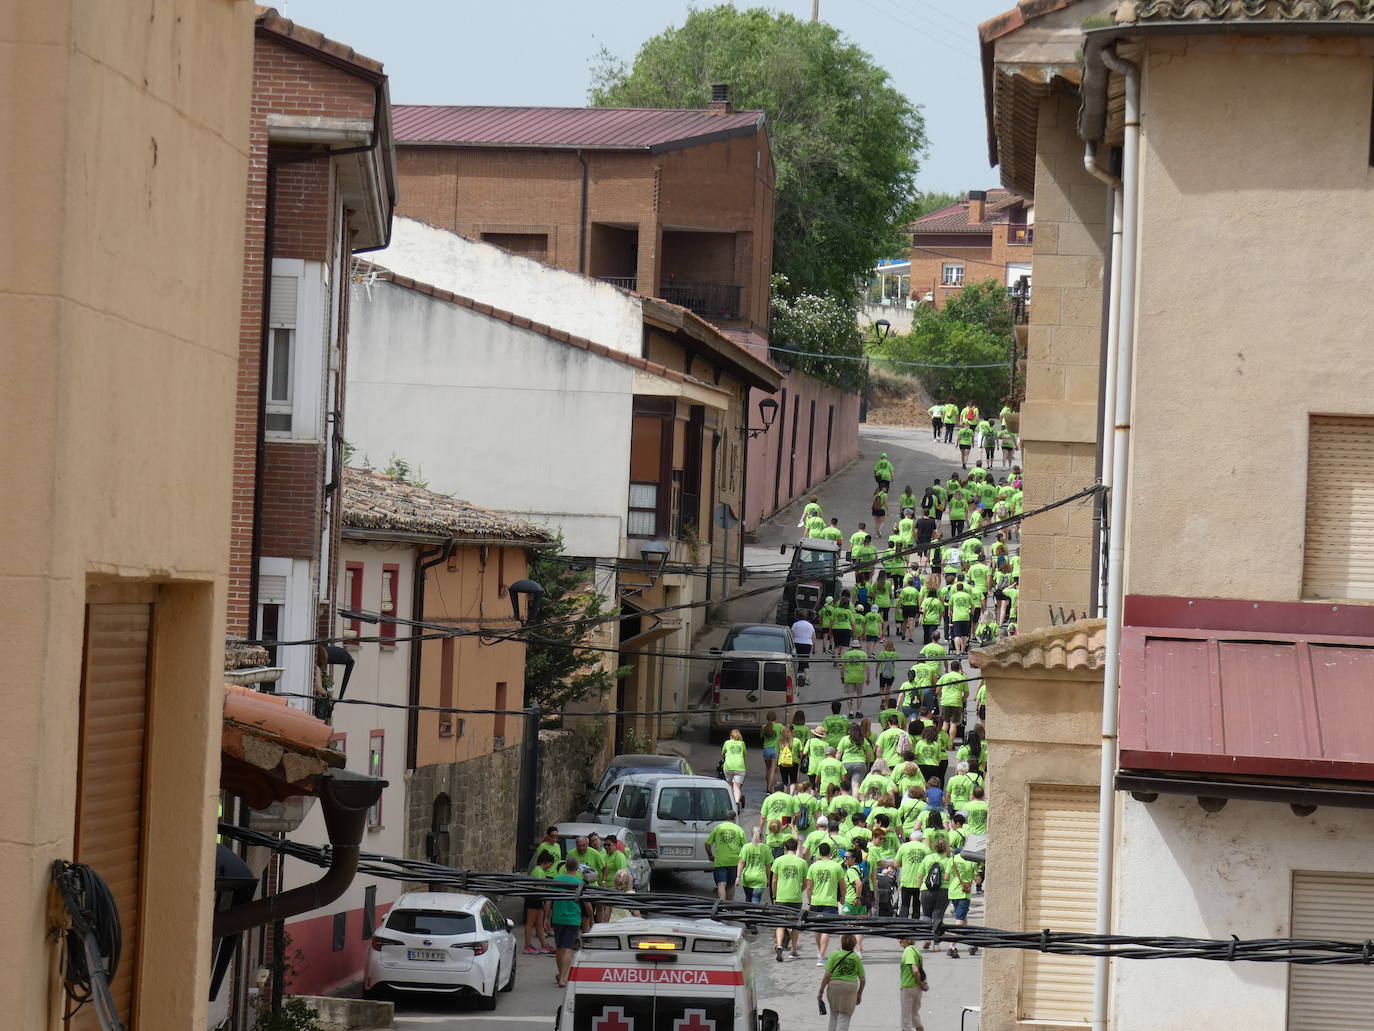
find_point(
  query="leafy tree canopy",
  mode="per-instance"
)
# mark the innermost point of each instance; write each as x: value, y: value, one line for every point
x: 845, y: 142
x: 817, y: 325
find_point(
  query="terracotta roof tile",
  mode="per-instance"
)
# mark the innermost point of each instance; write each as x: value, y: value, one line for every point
x: 593, y: 128
x: 1072, y: 648
x: 238, y: 655
x: 1344, y: 11
x: 270, y: 751
x: 373, y: 501
x: 269, y: 20
x: 954, y: 219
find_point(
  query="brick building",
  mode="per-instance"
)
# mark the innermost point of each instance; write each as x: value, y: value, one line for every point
x: 321, y: 187
x: 987, y: 235
x: 670, y: 204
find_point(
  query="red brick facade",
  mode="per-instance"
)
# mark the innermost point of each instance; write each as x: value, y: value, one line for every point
x: 985, y: 241
x: 703, y: 213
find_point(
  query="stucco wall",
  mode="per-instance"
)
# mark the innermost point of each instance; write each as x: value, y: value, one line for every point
x: 1254, y: 303
x: 116, y: 417
x: 486, y: 273
x: 498, y: 415
x: 1183, y: 871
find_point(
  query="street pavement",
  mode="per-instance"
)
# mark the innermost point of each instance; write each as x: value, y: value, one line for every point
x: 790, y: 987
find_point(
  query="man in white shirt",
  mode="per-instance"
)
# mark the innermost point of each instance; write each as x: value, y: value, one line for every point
x: 803, y: 636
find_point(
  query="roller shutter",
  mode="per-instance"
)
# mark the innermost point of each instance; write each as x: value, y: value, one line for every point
x: 109, y: 824
x: 1338, y: 549
x: 1335, y: 998
x: 1060, y: 894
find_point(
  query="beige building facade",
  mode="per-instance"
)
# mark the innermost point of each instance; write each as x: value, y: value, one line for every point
x: 116, y: 412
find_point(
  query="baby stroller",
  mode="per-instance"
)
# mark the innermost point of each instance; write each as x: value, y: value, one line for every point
x: 887, y: 891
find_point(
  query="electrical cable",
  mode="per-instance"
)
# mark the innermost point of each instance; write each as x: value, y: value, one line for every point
x: 1298, y: 951
x: 91, y: 946
x: 885, y: 361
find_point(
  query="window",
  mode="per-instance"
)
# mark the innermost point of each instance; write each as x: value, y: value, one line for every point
x: 643, y: 515
x: 675, y: 804
x: 1337, y: 906
x: 340, y: 930
x: 498, y: 727
x: 419, y: 921
x: 353, y: 591
x: 369, y: 911
x: 607, y: 803
x: 281, y: 354
x: 375, y: 755
x: 952, y: 274
x: 634, y: 803
x: 527, y: 245
x: 390, y: 578
x: 1060, y: 886
x: 491, y: 919
x: 1338, y: 549
x: 714, y: 804
x: 651, y: 453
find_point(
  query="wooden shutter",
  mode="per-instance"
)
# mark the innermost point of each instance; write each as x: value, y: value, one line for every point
x: 109, y: 822
x: 1338, y: 550
x: 1061, y: 894
x: 1340, y: 906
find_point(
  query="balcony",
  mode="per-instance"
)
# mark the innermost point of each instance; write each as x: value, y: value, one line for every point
x: 624, y: 282
x: 1020, y: 236
x: 709, y: 300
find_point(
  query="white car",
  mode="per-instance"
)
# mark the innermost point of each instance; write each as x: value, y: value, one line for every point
x: 445, y: 942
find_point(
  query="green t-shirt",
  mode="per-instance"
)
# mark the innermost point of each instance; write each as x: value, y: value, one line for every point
x: 842, y: 618
x: 726, y: 841
x: 812, y: 510
x: 913, y: 970
x: 960, y: 606
x: 966, y: 437
x: 815, y: 752
x: 830, y: 771
x: 976, y: 809
x: 790, y: 870
x: 817, y: 836
x: 832, y: 533
x: 931, y: 610
x: 873, y: 625
x: 880, y: 501
x: 909, y: 857
x: 884, y: 847
x: 953, y: 688
x: 734, y: 754
x: 945, y: 863
x: 960, y: 789
x: 553, y: 848
x: 842, y: 965
x: 849, y: 752
x: 815, y: 526
x: 778, y: 840
x: 836, y: 727
x: 961, y: 871
x: 807, y: 803
x: 928, y: 753
x: 958, y: 504
x: 887, y: 665
x: 770, y: 734
x: 950, y: 412
x: 909, y: 595
x: 979, y: 573
x: 882, y: 594
x: 887, y: 744
x: 593, y: 858
x: 615, y: 862
x: 757, y: 858
x: 778, y: 806
x: 825, y: 875
x: 567, y: 911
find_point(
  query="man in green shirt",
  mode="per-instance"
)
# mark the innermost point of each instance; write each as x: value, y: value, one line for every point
x: 835, y: 726
x: 913, y: 983
x: 953, y: 688
x: 976, y: 809
x: 961, y: 874
x: 723, y: 847
x: 932, y: 609
x: 549, y: 844
x: 882, y: 471
x: 565, y: 917
x: 777, y: 806
x: 833, y: 531
x: 909, y: 856
x: 788, y: 882
x: 588, y: 856
x: 950, y: 414
x: 830, y: 771
x: 823, y: 889
x: 854, y: 675
x: 960, y: 614
x: 890, y: 740
x: 960, y: 787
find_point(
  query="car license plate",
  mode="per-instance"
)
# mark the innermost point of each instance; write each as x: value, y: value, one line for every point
x: 427, y: 955
x: 741, y: 717
x: 675, y: 850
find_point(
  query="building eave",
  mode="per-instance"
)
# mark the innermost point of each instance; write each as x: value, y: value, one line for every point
x: 712, y: 343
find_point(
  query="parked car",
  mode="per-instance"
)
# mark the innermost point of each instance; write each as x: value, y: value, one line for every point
x: 639, y: 867
x: 623, y: 765
x: 813, y: 576
x: 746, y: 685
x: 670, y: 815
x: 444, y: 942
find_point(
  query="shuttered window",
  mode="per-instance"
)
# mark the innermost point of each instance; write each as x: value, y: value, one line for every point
x: 109, y: 822
x: 1335, y: 998
x: 1061, y: 894
x: 1338, y: 549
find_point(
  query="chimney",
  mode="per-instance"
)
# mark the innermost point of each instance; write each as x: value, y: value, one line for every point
x: 720, y: 99
x: 977, y: 204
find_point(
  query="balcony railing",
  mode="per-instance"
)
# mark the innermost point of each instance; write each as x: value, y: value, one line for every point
x: 709, y: 300
x: 1020, y: 236
x: 624, y: 282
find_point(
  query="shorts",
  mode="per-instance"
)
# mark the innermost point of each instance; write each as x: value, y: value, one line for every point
x: 879, y: 513
x: 832, y: 910
x: 952, y: 713
x: 769, y: 754
x: 793, y: 906
x: 885, y: 682
x: 960, y: 908
x: 842, y: 636
x: 756, y: 894
x: 532, y: 903
x: 565, y: 935
x: 789, y: 774
x: 854, y: 909
x: 856, y: 769
x: 960, y: 627
x: 910, y: 611
x: 872, y: 637
x: 734, y: 776
x: 725, y: 875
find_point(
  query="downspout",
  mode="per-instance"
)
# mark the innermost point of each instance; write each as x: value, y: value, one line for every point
x: 260, y: 437
x: 417, y: 612
x: 1108, y: 382
x: 1116, y: 587
x: 582, y: 218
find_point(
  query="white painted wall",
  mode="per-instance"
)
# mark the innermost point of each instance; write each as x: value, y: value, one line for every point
x: 500, y: 416
x: 1183, y: 871
x: 541, y: 293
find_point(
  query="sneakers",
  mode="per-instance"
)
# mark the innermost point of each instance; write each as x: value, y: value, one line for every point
x: 953, y: 952
x: 530, y: 950
x: 820, y: 961
x: 777, y: 953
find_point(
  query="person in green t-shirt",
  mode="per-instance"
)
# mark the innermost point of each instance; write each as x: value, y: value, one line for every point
x: 965, y: 445
x: 777, y: 806
x: 723, y: 847
x: 913, y: 984
x: 732, y: 755
x: 976, y: 809
x: 832, y: 532
x: 1007, y: 440
x: 771, y: 731
x: 932, y: 610
x: 854, y: 676
x: 908, y: 862
x: 813, y: 509
x: 951, y: 418
x: 564, y: 919
x: 935, y: 899
x: 843, y: 983
x: 830, y: 772
x: 960, y: 603
x: 960, y: 786
x: 535, y: 944
x: 815, y: 526
x: 823, y: 879
x: 961, y: 876
x: 878, y: 509
x: 953, y: 688
x: 807, y: 803
x: 835, y: 726
x: 755, y: 859
x: 815, y: 748
x: 958, y: 508
x: 841, y: 624
x: 882, y: 472
x: 785, y: 888
x: 549, y: 843
x: 589, y: 857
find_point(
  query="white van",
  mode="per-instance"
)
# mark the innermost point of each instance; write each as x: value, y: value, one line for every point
x: 640, y: 975
x: 671, y: 815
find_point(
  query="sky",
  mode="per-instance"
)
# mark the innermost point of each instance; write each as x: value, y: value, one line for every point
x: 540, y: 52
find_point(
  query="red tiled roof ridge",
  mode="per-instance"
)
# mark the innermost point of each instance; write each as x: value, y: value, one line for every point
x: 543, y: 329
x: 653, y: 129
x: 373, y: 500
x: 270, y: 19
x: 1077, y: 646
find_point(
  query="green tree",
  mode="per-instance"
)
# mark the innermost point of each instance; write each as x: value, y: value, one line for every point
x: 556, y: 671
x: 845, y: 142
x: 817, y: 325
x: 972, y: 336
x: 928, y: 201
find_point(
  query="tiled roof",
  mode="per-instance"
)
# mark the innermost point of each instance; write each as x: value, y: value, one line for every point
x: 561, y: 335
x: 238, y: 655
x: 594, y: 128
x: 1247, y: 10
x: 269, y: 751
x: 1072, y: 648
x: 954, y: 219
x: 373, y: 501
x: 269, y: 20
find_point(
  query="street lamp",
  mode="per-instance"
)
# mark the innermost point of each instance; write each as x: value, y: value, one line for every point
x: 533, y: 596
x: 882, y: 329
x: 768, y: 411
x: 654, y: 555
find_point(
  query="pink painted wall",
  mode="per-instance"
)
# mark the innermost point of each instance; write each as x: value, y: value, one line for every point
x: 773, y: 485
x: 320, y: 969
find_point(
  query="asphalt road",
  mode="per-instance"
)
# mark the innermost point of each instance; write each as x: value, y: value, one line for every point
x: 790, y: 987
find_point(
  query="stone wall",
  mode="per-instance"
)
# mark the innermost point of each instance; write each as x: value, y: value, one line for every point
x: 483, y: 797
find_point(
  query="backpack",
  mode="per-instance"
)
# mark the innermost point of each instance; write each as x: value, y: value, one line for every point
x: 803, y: 817
x: 866, y: 896
x: 785, y: 757
x: 935, y: 877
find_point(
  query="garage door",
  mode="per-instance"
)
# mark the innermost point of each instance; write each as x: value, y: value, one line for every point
x: 1338, y: 550
x: 109, y: 824
x: 1340, y: 906
x: 1060, y: 894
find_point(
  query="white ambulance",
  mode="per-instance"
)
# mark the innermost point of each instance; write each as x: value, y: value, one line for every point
x: 662, y: 975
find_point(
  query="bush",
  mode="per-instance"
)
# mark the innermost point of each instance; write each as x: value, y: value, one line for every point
x: 818, y: 325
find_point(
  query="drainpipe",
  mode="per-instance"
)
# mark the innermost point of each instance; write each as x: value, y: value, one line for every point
x: 417, y: 611
x: 1113, y: 337
x: 1116, y: 587
x: 582, y: 218
x: 344, y: 800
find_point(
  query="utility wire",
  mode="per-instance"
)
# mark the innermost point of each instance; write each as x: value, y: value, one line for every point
x: 885, y: 361
x: 1299, y: 951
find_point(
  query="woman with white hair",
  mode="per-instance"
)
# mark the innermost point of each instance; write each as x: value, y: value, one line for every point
x: 625, y: 884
